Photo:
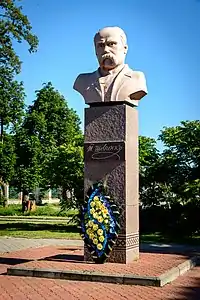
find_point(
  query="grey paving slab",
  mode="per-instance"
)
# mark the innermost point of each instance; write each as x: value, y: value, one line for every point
x: 9, y: 244
x: 14, y: 244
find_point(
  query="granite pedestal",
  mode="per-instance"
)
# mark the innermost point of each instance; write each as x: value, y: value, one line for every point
x: 111, y: 156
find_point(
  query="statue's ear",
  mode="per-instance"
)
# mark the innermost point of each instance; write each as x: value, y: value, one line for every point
x: 125, y: 49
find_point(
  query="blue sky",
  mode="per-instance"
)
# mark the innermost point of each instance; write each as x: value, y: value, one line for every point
x: 164, y: 43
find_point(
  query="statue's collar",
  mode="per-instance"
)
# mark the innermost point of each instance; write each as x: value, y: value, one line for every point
x: 111, y: 72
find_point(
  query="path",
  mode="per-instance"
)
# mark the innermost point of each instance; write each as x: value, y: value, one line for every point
x: 14, y: 244
x: 10, y: 244
x: 186, y: 287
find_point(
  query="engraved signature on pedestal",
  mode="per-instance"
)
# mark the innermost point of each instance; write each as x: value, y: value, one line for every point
x: 104, y: 151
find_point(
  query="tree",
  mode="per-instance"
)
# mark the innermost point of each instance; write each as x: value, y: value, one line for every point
x: 7, y: 162
x: 149, y: 158
x: 11, y: 112
x: 170, y: 186
x: 28, y: 168
x: 7, y: 158
x: 49, y: 144
x: 11, y: 103
x: 14, y: 25
x: 66, y: 170
x: 181, y: 159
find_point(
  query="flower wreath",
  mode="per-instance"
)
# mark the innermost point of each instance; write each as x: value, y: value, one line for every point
x: 99, y: 222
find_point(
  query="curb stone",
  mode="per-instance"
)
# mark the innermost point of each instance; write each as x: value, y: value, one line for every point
x: 129, y: 279
x: 175, y: 272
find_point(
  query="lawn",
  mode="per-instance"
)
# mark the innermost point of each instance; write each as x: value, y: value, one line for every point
x: 63, y: 230
x: 38, y: 227
x: 45, y: 223
x: 39, y: 230
x: 159, y: 238
x: 43, y: 210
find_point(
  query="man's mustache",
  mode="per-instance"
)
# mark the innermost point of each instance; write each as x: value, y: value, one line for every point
x: 107, y: 55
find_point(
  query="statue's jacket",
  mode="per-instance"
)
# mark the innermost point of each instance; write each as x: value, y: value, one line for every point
x: 128, y: 85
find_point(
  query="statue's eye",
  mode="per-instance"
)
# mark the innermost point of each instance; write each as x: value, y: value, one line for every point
x: 110, y: 44
x: 100, y: 45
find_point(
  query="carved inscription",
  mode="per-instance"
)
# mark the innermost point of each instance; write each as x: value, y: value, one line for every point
x: 104, y: 151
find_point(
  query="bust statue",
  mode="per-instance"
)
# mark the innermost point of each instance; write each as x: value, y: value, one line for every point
x: 114, y: 80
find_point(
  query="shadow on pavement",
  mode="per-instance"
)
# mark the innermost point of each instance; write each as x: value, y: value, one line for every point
x: 170, y: 249
x: 74, y: 258
x: 185, y: 291
x: 13, y: 261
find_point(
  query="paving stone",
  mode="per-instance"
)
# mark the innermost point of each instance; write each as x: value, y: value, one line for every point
x: 185, y: 287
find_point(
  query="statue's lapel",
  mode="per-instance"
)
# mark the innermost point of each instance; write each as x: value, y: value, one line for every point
x: 94, y: 89
x: 121, y: 78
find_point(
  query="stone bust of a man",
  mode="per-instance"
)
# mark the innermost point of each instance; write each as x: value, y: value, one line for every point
x: 114, y: 80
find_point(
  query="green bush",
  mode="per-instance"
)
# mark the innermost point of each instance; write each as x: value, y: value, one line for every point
x: 44, y: 210
x: 11, y: 210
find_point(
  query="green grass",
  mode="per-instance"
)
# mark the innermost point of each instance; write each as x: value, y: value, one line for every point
x: 43, y: 210
x: 159, y: 238
x: 39, y: 230
x: 40, y: 234
x: 61, y: 229
x: 69, y: 231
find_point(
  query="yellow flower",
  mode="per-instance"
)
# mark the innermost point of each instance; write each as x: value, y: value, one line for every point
x: 95, y: 227
x: 100, y: 219
x: 104, y: 216
x: 90, y: 223
x: 100, y: 231
x: 98, y: 204
x: 88, y: 231
x: 91, y: 236
x: 106, y: 221
x: 95, y: 241
x: 96, y: 198
x: 105, y: 211
x: 95, y: 215
x: 92, y: 204
x: 99, y: 246
x: 92, y: 211
x: 101, y: 238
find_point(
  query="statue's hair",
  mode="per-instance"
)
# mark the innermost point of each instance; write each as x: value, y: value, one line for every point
x: 121, y: 33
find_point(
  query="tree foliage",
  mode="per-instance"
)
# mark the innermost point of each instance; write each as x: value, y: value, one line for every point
x: 49, y: 144
x: 11, y: 103
x: 7, y: 158
x: 170, y: 183
x: 14, y: 26
x: 181, y: 159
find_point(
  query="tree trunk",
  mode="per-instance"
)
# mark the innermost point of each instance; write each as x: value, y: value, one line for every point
x: 2, y: 191
x: 66, y: 198
x: 64, y: 194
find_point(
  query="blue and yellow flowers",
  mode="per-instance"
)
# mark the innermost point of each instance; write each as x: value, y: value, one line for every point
x: 99, y: 225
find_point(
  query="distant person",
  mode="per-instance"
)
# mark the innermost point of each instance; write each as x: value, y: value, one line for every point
x: 25, y: 201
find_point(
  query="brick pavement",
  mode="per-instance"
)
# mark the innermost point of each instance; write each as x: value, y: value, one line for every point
x: 25, y: 288
x: 71, y: 258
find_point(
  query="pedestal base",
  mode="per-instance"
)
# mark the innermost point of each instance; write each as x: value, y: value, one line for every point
x: 125, y: 251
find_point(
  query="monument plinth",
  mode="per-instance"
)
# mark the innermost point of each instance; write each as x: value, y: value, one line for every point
x: 111, y: 156
x: 111, y: 145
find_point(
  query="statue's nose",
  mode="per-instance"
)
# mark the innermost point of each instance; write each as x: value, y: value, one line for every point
x: 106, y: 49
